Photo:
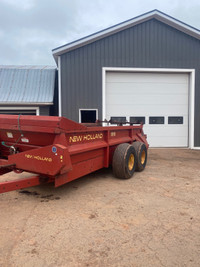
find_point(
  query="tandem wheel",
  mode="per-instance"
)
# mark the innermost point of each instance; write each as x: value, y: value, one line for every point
x: 141, y: 155
x: 124, y: 161
x: 129, y: 158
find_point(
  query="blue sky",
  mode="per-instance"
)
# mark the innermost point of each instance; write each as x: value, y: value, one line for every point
x: 30, y: 29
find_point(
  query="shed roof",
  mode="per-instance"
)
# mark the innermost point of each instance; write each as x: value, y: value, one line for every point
x: 27, y: 85
x: 156, y: 14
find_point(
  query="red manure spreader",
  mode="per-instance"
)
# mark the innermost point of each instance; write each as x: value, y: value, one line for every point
x: 58, y: 150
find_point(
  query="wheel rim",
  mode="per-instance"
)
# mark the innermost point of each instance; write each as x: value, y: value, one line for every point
x: 131, y: 161
x: 143, y: 157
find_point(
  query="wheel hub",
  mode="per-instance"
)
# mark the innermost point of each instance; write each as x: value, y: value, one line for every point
x: 143, y: 157
x: 131, y: 162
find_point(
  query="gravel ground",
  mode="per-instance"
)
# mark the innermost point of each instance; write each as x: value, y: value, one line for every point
x: 152, y: 219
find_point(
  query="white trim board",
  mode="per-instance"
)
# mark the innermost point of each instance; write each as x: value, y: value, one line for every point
x: 191, y: 102
x: 59, y: 88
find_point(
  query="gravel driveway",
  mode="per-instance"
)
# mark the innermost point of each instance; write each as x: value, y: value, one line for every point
x: 152, y: 219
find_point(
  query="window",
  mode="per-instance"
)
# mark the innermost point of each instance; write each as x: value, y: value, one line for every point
x: 175, y: 120
x: 117, y: 120
x: 20, y: 110
x: 137, y: 120
x: 156, y: 120
x: 87, y: 115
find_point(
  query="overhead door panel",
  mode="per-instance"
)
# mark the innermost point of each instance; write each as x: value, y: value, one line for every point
x: 151, y: 95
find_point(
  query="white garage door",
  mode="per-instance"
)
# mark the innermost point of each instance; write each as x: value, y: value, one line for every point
x: 161, y: 99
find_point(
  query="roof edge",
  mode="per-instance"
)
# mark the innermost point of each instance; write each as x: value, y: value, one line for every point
x: 175, y: 23
x: 28, y: 67
x: 26, y: 103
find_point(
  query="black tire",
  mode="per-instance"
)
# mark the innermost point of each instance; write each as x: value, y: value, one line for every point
x: 124, y: 161
x: 141, y: 155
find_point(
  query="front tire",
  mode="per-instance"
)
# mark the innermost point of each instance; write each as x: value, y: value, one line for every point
x: 124, y: 161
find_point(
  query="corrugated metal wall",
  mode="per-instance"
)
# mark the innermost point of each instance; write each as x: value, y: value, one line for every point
x: 151, y: 44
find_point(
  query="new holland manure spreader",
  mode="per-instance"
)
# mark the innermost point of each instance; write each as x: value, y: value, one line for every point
x: 58, y: 150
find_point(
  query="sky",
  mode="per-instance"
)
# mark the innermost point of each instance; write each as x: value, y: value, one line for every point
x: 30, y: 29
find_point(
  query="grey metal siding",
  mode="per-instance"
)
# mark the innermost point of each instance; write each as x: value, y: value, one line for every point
x: 151, y: 44
x: 44, y: 110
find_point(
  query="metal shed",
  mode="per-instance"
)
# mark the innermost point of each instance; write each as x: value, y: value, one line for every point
x: 27, y: 89
x: 147, y: 67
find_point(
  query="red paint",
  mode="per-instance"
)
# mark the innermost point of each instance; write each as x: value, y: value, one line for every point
x: 58, y: 148
x: 22, y: 183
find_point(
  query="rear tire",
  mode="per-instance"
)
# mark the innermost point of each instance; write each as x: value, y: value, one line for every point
x: 124, y: 161
x: 141, y: 155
